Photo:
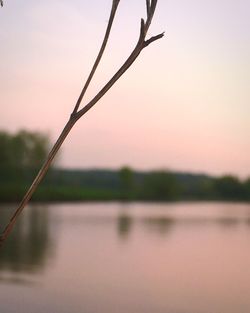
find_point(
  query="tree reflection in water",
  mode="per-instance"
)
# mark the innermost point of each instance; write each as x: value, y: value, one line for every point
x: 124, y: 224
x: 161, y: 225
x: 28, y: 248
x: 31, y: 244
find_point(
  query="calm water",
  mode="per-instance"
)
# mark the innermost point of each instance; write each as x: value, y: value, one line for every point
x: 120, y: 258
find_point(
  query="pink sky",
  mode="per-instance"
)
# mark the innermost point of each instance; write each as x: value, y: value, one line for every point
x: 184, y: 105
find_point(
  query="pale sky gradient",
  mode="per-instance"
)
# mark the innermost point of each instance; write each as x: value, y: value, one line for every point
x: 184, y: 105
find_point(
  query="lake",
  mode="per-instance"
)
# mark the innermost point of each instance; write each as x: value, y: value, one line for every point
x: 127, y: 257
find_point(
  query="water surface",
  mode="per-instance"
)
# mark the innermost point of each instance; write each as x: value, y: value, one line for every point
x: 119, y: 258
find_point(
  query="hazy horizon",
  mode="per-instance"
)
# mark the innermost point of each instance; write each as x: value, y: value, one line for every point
x: 145, y: 170
x: 184, y: 104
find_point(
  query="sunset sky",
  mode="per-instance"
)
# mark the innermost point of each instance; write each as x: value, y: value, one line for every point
x: 184, y: 105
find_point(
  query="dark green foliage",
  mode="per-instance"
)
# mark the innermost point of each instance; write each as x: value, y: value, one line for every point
x: 21, y: 155
x: 24, y: 150
x: 127, y: 181
x: 246, y: 185
x: 77, y: 185
x: 194, y: 186
x: 5, y: 151
x: 229, y: 187
x: 69, y: 193
x: 160, y: 185
x: 127, y: 178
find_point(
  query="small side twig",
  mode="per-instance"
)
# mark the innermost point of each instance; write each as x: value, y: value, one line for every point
x: 99, y: 56
x: 77, y: 113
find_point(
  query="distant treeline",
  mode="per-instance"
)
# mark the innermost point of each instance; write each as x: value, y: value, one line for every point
x: 123, y: 184
x: 21, y: 155
x: 21, y: 151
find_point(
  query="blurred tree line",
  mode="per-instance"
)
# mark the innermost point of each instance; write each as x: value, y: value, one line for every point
x: 165, y: 185
x: 156, y: 185
x: 23, y: 149
x: 22, y: 154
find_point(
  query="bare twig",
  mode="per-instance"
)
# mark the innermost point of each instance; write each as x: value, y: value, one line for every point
x: 78, y: 113
x: 148, y: 7
x: 99, y: 56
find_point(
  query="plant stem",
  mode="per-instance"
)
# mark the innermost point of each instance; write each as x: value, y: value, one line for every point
x: 38, y: 179
x: 78, y: 113
x: 99, y: 56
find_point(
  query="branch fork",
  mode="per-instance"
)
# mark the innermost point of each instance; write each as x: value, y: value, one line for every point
x: 78, y: 112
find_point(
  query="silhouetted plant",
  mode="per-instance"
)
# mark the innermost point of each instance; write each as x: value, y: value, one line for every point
x: 78, y: 112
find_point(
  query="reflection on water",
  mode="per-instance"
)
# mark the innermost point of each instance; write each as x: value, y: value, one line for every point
x: 29, y: 246
x: 124, y: 224
x: 161, y: 225
x: 143, y: 258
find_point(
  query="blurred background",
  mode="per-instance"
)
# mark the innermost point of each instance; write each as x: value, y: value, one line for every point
x: 146, y: 208
x: 184, y: 105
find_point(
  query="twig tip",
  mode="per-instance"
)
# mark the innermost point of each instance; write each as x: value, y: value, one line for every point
x: 153, y: 38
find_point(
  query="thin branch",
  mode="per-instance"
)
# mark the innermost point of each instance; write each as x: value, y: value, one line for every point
x: 100, y: 54
x: 77, y: 114
x: 37, y: 180
x: 152, y: 39
x: 141, y: 44
x: 148, y: 7
x: 150, y: 14
x: 133, y: 56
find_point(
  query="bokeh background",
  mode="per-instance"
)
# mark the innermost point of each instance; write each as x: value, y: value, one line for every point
x: 184, y: 105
